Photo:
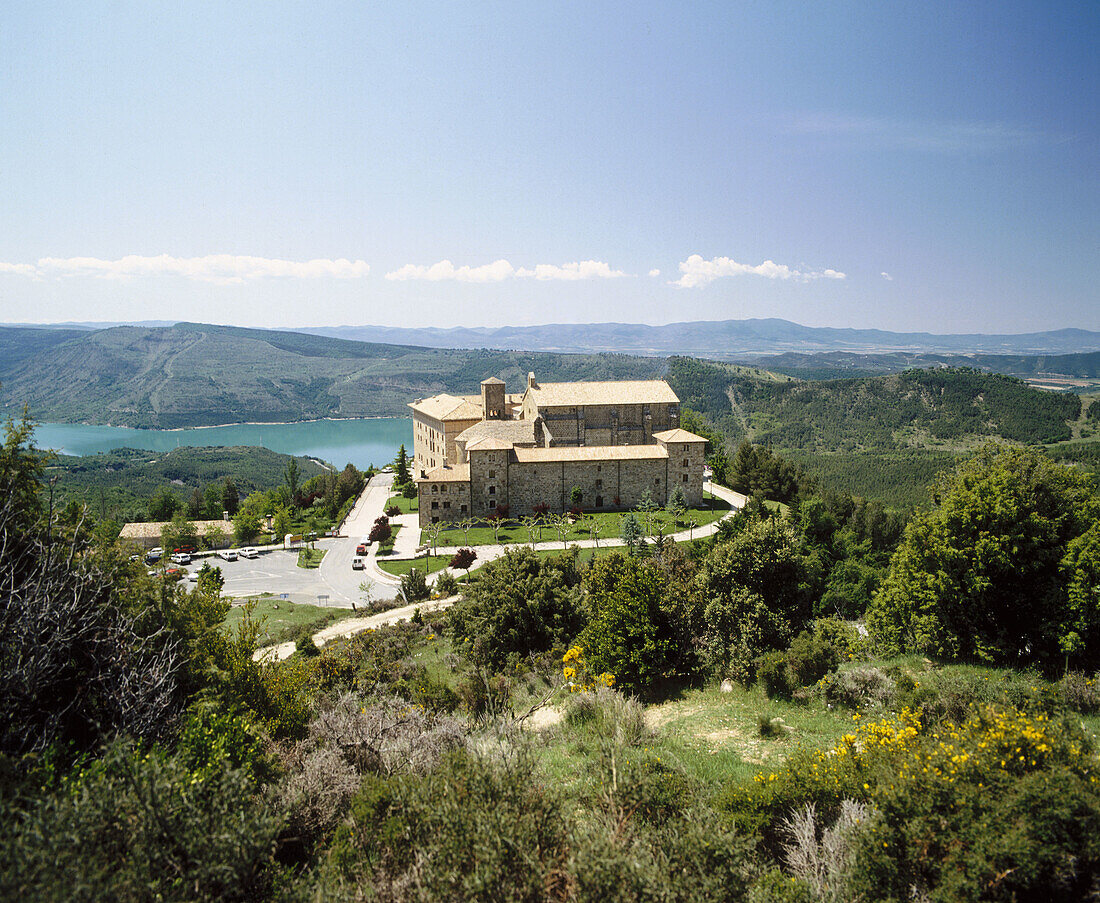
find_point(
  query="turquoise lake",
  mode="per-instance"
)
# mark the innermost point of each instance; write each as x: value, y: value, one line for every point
x: 360, y: 442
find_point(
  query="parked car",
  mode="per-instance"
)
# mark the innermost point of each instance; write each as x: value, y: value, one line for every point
x: 186, y: 549
x: 361, y: 549
x: 154, y: 554
x: 174, y: 573
x: 193, y: 577
x: 357, y: 563
x: 249, y: 552
x: 228, y: 554
x: 181, y: 558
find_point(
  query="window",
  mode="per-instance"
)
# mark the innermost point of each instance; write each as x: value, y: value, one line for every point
x: 446, y: 504
x: 435, y: 504
x: 492, y: 473
x: 463, y: 509
x: 493, y: 503
x: 443, y: 488
x: 435, y: 488
x: 599, y: 467
x: 685, y: 462
x: 656, y: 481
x: 435, y: 520
x: 599, y: 501
x: 599, y: 484
x: 492, y: 490
x: 685, y: 477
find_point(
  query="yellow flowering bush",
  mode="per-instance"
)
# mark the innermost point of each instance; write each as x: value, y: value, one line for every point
x: 575, y: 671
x: 941, y: 794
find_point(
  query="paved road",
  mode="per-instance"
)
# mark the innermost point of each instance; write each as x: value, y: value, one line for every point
x: 277, y: 571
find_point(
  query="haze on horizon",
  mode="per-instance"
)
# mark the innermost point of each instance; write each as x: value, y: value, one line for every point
x: 923, y: 168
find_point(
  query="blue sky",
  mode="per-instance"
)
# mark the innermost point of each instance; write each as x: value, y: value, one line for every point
x: 908, y: 166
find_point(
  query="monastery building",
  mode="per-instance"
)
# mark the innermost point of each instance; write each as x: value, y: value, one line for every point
x: 479, y: 456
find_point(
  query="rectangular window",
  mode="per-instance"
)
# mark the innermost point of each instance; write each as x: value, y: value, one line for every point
x: 599, y: 484
x: 446, y: 504
x: 493, y: 503
x: 435, y: 504
x: 685, y: 477
x: 443, y: 488
x: 463, y: 509
x: 656, y: 481
x: 492, y: 473
x: 492, y: 490
x: 685, y: 462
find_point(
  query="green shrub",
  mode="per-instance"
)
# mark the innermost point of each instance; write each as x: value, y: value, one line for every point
x: 1080, y: 693
x: 141, y: 826
x: 859, y: 687
x: 446, y: 584
x: 774, y: 672
x: 810, y: 657
x: 606, y: 716
x: 414, y: 586
x: 470, y: 830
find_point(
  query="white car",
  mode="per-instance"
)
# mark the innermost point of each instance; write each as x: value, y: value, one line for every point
x: 249, y: 552
x: 181, y: 558
x: 228, y: 554
x: 357, y: 564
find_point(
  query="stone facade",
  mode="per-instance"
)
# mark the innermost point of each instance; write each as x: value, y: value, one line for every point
x: 602, y: 438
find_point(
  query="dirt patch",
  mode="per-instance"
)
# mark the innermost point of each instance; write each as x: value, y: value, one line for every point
x: 544, y: 718
x: 658, y: 715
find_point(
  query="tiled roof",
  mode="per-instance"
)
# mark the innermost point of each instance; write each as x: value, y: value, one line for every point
x: 590, y: 453
x: 640, y: 391
x: 448, y: 407
x: 153, y: 530
x: 489, y: 443
x: 678, y: 435
x: 505, y: 430
x: 460, y: 473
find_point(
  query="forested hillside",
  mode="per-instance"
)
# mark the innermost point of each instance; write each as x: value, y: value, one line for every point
x: 119, y: 484
x: 196, y: 375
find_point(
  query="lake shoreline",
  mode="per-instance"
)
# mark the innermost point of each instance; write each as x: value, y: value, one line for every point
x: 216, y: 426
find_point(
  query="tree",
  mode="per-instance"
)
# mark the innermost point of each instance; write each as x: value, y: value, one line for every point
x: 381, y: 531
x: 533, y: 526
x: 291, y: 475
x: 465, y: 525
x: 179, y: 533
x: 246, y: 527
x: 463, y: 558
x: 576, y: 495
x: 518, y: 605
x: 401, y: 468
x: 561, y: 525
x: 677, y: 503
x: 996, y: 571
x: 595, y: 526
x: 414, y: 586
x: 631, y: 532
x: 230, y: 499
x: 628, y: 633
x: 196, y: 505
x: 349, y: 484
x: 213, y: 536
x: 280, y: 523
x: 163, y: 505
x: 433, y: 531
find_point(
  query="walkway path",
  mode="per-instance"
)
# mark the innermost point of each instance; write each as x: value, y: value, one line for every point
x: 486, y: 553
x: 352, y: 626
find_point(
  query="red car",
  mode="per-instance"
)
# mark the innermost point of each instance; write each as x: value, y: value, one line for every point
x: 361, y: 549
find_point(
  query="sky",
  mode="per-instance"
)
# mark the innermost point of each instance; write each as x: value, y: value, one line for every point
x: 907, y: 166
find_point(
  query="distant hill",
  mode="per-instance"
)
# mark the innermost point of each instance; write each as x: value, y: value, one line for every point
x: 838, y: 364
x: 197, y: 375
x: 916, y: 408
x: 717, y: 339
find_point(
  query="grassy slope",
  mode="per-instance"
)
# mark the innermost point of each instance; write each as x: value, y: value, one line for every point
x: 279, y: 618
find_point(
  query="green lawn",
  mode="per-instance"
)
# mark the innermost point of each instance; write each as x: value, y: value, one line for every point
x: 401, y: 567
x: 280, y: 618
x: 608, y: 522
x: 310, y: 558
x: 407, y: 506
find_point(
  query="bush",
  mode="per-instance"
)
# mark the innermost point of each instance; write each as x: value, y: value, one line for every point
x: 606, y: 716
x: 810, y: 657
x: 393, y: 511
x: 773, y: 671
x: 446, y: 584
x: 500, y: 837
x: 414, y: 587
x: 859, y: 687
x: 141, y: 825
x: 462, y: 559
x: 1080, y: 692
x: 770, y: 727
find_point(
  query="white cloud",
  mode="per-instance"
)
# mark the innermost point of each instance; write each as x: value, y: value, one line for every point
x: 887, y: 277
x: 499, y: 270
x: 654, y: 272
x: 222, y: 269
x: 19, y: 269
x: 696, y: 272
